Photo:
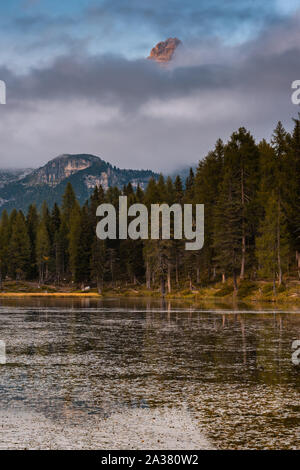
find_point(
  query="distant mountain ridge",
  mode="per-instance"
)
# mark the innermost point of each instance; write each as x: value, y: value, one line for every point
x: 48, y: 183
x: 8, y: 175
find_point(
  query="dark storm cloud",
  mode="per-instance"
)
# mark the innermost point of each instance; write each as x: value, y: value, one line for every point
x: 130, y: 84
x: 117, y: 80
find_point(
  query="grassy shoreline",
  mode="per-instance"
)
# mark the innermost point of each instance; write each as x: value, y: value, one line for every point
x: 47, y: 294
x: 249, y: 291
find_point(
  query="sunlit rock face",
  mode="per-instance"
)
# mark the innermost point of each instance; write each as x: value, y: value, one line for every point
x: 163, y: 51
x: 62, y: 167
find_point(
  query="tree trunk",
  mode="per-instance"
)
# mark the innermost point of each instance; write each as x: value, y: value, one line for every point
x: 242, y: 274
x: 169, y: 279
x: 298, y: 262
x: 235, y: 286
x: 176, y: 271
x: 198, y: 275
x: 41, y: 280
x: 148, y: 276
x: 112, y: 272
x: 223, y: 278
x: 278, y: 247
x: 162, y: 286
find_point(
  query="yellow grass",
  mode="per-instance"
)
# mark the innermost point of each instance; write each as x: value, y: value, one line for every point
x: 46, y: 294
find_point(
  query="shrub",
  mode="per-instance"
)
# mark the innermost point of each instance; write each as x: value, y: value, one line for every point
x: 225, y: 290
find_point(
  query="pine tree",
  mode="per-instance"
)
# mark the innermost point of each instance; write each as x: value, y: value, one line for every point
x: 19, y: 248
x: 55, y: 224
x: 228, y: 228
x: 32, y: 222
x: 43, y: 250
x: 74, y: 237
x: 178, y: 190
x: 84, y: 248
x: 67, y: 253
x: 272, y: 245
x: 98, y: 258
x: 151, y: 193
x: 280, y: 143
x: 161, y: 189
x: 139, y: 195
x: 294, y: 193
x: 4, y: 243
x: 68, y: 204
x: 206, y: 191
x: 242, y: 159
x: 170, y: 191
x: 189, y: 187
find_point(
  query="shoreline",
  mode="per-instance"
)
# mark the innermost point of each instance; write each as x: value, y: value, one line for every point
x: 49, y: 294
x: 252, y: 292
x: 192, y: 299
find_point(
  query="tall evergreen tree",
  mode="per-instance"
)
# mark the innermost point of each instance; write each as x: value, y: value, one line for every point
x: 242, y: 160
x: 43, y: 250
x: 32, y: 222
x: 228, y: 229
x: 4, y: 244
x: 19, y: 248
x: 272, y: 245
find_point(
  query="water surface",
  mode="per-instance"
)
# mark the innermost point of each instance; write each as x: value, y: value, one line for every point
x: 231, y: 369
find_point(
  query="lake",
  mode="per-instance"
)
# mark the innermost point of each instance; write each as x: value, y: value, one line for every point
x: 229, y: 370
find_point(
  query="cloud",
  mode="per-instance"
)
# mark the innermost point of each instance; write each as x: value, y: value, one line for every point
x: 40, y: 22
x: 131, y: 28
x: 135, y: 113
x: 191, y: 18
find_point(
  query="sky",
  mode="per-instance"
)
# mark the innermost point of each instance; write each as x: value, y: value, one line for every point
x: 78, y: 79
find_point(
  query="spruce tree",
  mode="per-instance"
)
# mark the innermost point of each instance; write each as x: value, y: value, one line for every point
x: 83, y: 254
x: 4, y: 243
x: 19, y: 248
x: 43, y: 251
x: 242, y: 159
x: 73, y: 238
x: 32, y: 222
x: 272, y: 244
x: 206, y: 191
x: 228, y: 228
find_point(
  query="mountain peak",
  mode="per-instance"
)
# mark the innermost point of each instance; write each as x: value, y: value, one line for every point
x: 48, y: 183
x: 163, y: 51
x: 61, y: 167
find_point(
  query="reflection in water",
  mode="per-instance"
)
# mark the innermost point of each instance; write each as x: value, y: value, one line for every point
x: 232, y: 370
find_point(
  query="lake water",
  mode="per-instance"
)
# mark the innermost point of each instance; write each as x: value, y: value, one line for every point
x: 230, y: 369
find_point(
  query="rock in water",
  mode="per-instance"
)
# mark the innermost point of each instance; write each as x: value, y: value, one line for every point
x: 164, y: 51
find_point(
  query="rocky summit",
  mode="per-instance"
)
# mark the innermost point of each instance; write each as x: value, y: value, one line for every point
x: 163, y: 51
x: 48, y: 183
